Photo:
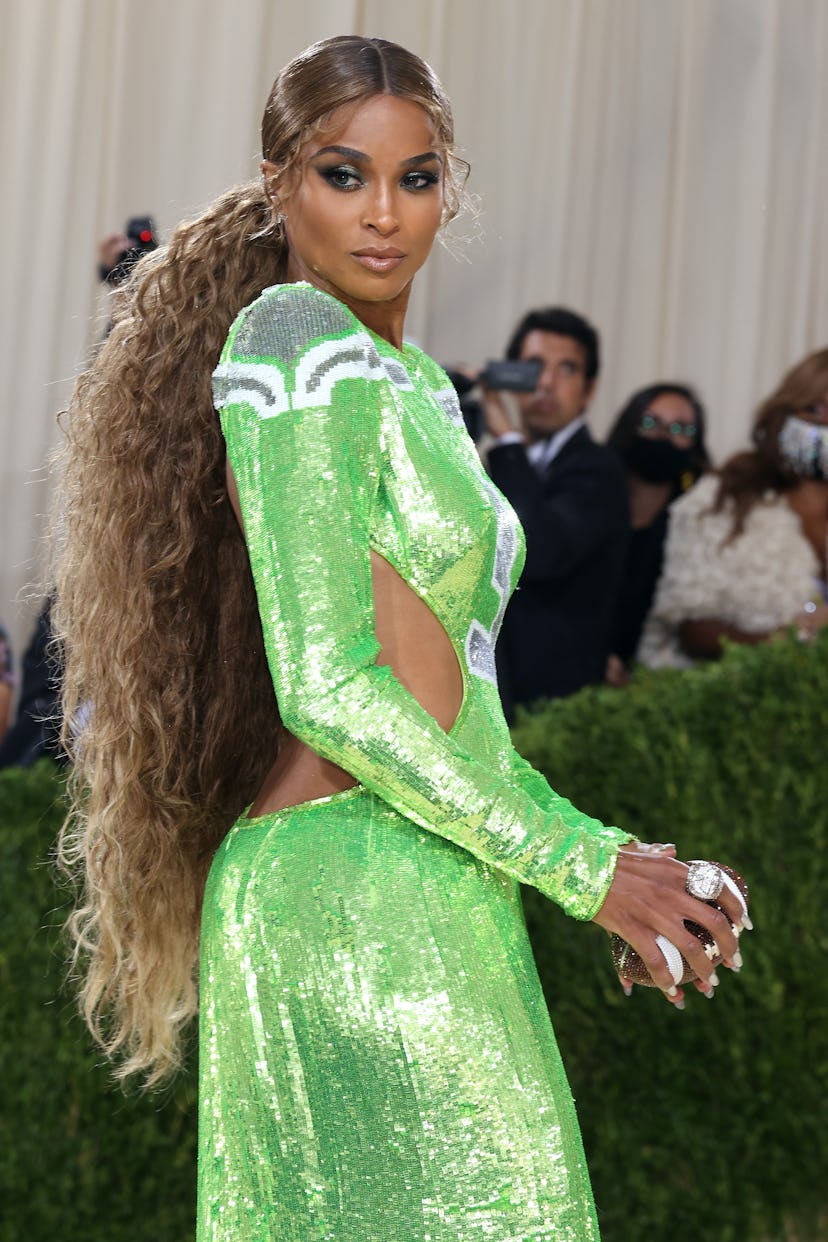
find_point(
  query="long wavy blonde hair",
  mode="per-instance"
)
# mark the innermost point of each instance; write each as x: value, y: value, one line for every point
x: 169, y: 713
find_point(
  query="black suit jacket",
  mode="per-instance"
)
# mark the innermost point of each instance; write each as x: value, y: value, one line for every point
x: 558, y: 626
x: 36, y: 728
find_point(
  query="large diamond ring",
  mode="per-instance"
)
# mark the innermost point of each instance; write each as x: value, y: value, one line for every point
x: 704, y: 880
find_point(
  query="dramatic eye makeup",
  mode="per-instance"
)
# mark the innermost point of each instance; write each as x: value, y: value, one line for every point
x: 341, y: 176
x: 421, y: 180
x: 421, y: 172
x: 425, y: 171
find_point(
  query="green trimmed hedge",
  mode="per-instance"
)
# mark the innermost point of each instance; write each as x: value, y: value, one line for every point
x: 702, y: 1126
x: 706, y: 1125
x: 82, y: 1160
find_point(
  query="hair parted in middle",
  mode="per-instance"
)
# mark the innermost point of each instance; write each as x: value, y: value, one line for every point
x: 155, y: 613
x: 348, y: 70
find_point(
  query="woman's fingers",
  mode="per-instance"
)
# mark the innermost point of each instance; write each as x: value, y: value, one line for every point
x: 707, y: 987
x: 724, y: 925
x: 703, y: 957
x: 654, y: 847
x: 497, y: 418
x: 648, y: 905
x: 664, y: 954
x: 735, y: 903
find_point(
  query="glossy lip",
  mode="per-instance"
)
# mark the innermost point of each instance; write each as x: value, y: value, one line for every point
x: 377, y: 260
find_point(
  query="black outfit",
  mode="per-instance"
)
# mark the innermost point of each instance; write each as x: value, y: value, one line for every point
x: 36, y: 728
x: 642, y: 570
x: 557, y: 632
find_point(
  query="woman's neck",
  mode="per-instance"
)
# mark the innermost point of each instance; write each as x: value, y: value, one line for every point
x: 385, y: 317
x: 810, y: 496
x: 646, y: 500
x: 809, y: 501
x: 382, y: 318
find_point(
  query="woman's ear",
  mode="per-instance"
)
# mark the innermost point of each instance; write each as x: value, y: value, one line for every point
x: 272, y: 175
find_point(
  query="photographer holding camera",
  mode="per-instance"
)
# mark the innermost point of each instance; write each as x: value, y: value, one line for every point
x: 119, y: 252
x: 571, y: 497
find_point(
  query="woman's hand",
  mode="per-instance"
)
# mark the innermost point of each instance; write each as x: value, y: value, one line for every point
x: 810, y: 620
x: 616, y: 673
x: 701, y: 638
x: 111, y: 249
x: 648, y: 898
x: 495, y: 413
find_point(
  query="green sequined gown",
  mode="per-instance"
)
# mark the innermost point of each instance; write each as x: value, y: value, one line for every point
x: 376, y: 1058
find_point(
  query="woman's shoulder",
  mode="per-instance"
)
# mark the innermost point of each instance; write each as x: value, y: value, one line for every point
x: 290, y: 349
x: 285, y: 319
x: 694, y: 517
x: 699, y: 498
x: 702, y: 502
x: 301, y: 297
x: 701, y: 534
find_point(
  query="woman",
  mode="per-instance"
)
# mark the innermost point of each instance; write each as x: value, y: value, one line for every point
x: 746, y: 548
x: 659, y: 436
x: 376, y: 1058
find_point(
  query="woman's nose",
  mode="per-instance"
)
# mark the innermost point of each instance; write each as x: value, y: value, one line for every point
x: 381, y: 213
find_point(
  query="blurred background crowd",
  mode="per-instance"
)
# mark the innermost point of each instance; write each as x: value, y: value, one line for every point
x: 652, y: 167
x: 633, y: 317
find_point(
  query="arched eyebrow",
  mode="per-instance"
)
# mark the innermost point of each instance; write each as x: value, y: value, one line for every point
x: 350, y: 153
x: 428, y: 157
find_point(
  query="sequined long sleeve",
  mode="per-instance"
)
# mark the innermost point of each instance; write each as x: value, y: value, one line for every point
x: 332, y: 441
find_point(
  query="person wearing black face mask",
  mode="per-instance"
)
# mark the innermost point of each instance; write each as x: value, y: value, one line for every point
x: 659, y: 436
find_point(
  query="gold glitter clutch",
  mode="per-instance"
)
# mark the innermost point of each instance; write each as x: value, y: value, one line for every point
x: 630, y: 965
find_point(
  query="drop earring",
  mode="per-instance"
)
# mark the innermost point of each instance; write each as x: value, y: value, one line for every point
x: 278, y: 214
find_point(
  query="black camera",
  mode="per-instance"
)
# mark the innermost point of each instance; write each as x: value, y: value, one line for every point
x: 511, y: 374
x: 141, y: 232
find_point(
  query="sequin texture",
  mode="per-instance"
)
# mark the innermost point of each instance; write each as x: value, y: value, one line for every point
x: 377, y: 1061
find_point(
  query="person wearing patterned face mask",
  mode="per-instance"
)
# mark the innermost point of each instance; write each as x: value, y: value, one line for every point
x: 803, y: 441
x: 745, y: 555
x: 659, y: 436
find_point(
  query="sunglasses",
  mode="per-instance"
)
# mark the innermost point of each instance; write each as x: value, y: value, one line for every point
x: 650, y: 423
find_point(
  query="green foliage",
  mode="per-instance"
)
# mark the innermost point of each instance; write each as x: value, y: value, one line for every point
x: 704, y: 1125
x: 82, y: 1159
x: 707, y: 1124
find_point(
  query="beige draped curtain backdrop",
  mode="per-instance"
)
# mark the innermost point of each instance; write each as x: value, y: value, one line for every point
x: 659, y: 165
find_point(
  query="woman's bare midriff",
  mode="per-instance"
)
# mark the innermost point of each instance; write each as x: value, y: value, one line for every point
x: 418, y: 650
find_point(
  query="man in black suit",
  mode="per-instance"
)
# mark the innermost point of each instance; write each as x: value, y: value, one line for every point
x: 571, y: 497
